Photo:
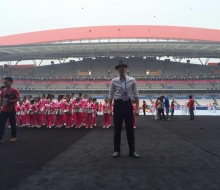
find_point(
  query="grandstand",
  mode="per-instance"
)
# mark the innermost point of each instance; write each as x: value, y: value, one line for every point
x: 64, y: 78
x: 92, y: 65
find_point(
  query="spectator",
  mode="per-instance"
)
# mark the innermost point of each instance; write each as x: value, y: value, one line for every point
x: 9, y: 97
x: 190, y: 105
x: 172, y: 108
x: 167, y: 106
x: 160, y: 108
x: 144, y: 107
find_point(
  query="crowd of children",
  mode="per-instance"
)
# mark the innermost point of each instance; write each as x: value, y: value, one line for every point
x: 65, y: 111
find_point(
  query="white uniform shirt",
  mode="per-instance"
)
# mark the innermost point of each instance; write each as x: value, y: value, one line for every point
x: 117, y: 86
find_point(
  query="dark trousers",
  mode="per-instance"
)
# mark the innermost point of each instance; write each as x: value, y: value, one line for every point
x: 144, y: 111
x: 123, y: 111
x: 191, y: 112
x: 3, y: 118
x: 172, y: 112
x: 161, y: 111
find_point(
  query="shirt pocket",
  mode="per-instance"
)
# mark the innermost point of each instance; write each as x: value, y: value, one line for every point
x: 117, y: 87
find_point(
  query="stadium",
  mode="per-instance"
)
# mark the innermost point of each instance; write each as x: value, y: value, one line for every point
x: 93, y: 51
x: 175, y: 153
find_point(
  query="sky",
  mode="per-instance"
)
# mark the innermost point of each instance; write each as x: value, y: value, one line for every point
x: 20, y: 16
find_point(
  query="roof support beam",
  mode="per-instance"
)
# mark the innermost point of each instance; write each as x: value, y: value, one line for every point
x: 1, y: 50
x: 40, y: 62
x: 60, y: 60
x: 207, y: 60
x: 17, y: 62
x: 35, y: 62
x: 15, y: 49
x: 190, y: 46
x: 206, y: 46
x: 31, y: 48
x: 164, y: 46
x: 200, y: 61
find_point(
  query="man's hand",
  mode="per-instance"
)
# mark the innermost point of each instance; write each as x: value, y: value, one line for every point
x: 110, y: 112
x: 137, y: 112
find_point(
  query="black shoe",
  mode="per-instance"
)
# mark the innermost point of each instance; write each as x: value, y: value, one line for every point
x: 134, y: 155
x: 116, y: 154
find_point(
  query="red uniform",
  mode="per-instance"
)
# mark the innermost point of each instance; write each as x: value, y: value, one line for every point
x: 42, y: 103
x: 20, y: 112
x: 59, y: 112
x: 39, y: 113
x: 68, y: 113
x: 94, y: 113
x: 84, y: 114
x: 49, y: 114
x: 172, y: 106
x: 6, y: 105
x: 27, y: 116
x: 105, y: 108
x: 78, y: 112
x: 100, y: 107
x: 89, y: 113
x: 32, y: 114
x: 191, y: 104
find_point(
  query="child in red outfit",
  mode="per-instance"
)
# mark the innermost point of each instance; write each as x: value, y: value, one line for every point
x: 68, y: 112
x: 59, y: 111
x: 105, y: 107
x: 89, y: 113
x: 20, y: 112
x: 78, y: 113
x: 49, y: 113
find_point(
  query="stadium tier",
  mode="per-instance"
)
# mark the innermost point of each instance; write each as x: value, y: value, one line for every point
x: 137, y: 67
x: 93, y: 76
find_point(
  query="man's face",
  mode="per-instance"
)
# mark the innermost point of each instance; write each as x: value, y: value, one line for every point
x: 122, y: 70
x: 7, y: 83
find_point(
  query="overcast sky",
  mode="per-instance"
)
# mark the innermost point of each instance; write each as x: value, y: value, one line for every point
x: 19, y: 16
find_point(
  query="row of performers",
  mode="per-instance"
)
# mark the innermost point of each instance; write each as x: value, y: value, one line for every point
x: 68, y: 112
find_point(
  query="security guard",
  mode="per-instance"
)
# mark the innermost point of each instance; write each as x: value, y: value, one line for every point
x: 122, y: 88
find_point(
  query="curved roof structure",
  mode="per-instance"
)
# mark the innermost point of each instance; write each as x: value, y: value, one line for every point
x: 113, y: 32
x: 112, y: 41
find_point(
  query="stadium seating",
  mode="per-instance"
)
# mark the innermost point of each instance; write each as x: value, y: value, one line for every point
x: 151, y: 75
x: 105, y: 67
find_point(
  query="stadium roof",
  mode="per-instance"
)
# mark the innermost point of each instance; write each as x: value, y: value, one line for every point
x: 112, y: 41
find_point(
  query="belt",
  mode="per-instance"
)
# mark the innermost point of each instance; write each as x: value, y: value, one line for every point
x: 121, y: 100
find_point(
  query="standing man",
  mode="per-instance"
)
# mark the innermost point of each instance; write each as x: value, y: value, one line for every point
x: 191, y: 107
x: 144, y: 107
x: 167, y: 106
x: 9, y: 97
x: 122, y: 88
